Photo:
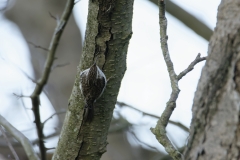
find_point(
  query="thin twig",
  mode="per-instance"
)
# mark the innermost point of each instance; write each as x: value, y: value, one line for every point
x: 178, y: 124
x: 48, y: 65
x: 119, y: 125
x: 52, y: 16
x: 141, y: 142
x: 20, y: 138
x: 191, y: 66
x: 25, y: 109
x: 33, y: 142
x: 56, y: 113
x: 36, y: 141
x: 9, y: 144
x: 60, y: 65
x: 33, y: 80
x: 20, y: 96
x: 51, y: 148
x: 37, y: 46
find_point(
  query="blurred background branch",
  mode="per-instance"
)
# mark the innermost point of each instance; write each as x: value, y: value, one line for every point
x: 183, y: 127
x: 9, y: 143
x: 188, y: 19
x: 20, y: 138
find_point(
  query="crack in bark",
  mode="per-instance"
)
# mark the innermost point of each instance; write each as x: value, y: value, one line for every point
x: 78, y: 156
x: 107, y: 47
x: 104, y: 34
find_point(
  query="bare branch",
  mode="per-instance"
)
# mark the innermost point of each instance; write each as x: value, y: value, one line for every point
x: 20, y: 96
x: 60, y: 65
x: 25, y: 109
x: 36, y: 141
x: 178, y: 124
x: 29, y: 77
x: 57, y: 113
x: 51, y: 148
x: 20, y: 138
x: 160, y: 129
x: 48, y: 65
x: 9, y: 144
x: 37, y: 46
x: 52, y: 16
x: 191, y: 66
x: 141, y: 142
x: 122, y: 124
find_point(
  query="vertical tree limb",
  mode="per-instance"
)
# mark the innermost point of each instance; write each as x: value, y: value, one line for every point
x: 160, y: 129
x: 47, y: 69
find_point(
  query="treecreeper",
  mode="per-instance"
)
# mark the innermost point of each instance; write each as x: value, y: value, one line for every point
x: 92, y: 84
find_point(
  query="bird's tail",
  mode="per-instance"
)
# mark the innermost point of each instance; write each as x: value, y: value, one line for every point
x: 89, y: 112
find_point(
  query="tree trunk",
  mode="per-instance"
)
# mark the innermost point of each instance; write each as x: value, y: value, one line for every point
x: 109, y: 29
x: 215, y: 128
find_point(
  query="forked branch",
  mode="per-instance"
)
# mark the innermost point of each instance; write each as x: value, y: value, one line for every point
x: 160, y: 129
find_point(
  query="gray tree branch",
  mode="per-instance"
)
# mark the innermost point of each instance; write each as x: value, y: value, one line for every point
x: 160, y: 129
x: 191, y: 66
x: 47, y: 69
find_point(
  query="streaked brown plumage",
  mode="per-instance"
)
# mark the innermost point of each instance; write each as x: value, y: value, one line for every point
x: 92, y: 85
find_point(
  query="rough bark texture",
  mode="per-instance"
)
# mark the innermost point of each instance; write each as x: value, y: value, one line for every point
x: 215, y: 128
x: 109, y: 29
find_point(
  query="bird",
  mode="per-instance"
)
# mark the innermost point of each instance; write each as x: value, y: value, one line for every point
x: 92, y: 84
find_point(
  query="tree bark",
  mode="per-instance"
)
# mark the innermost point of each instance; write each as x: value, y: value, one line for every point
x: 109, y: 29
x: 215, y: 128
